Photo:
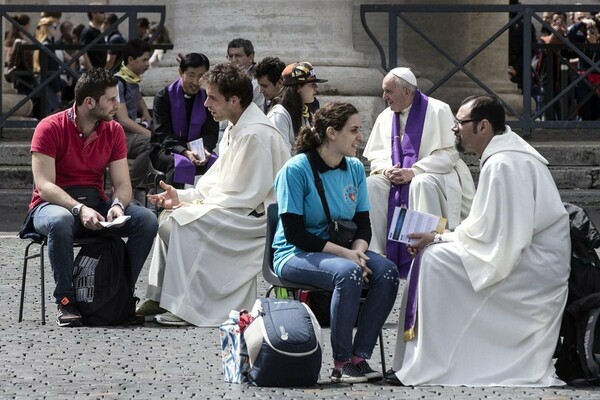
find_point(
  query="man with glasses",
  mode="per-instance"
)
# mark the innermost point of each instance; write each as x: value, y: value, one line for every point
x: 413, y: 163
x: 241, y: 52
x: 490, y: 294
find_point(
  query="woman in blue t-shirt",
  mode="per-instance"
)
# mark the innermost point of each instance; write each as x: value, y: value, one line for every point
x: 303, y: 252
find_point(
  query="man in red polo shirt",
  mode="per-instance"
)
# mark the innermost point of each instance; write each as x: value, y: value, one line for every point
x: 70, y: 153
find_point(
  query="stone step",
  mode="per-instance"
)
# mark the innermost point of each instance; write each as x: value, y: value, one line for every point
x: 16, y: 177
x: 559, y: 153
x: 580, y: 177
x: 14, y: 204
x: 14, y: 153
x: 566, y: 177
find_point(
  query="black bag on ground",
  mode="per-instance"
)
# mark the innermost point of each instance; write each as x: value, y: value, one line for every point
x: 101, y: 279
x: 578, y: 351
x: 283, y: 345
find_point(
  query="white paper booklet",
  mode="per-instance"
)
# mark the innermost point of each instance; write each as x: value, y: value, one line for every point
x: 116, y: 221
x: 197, y: 146
x: 405, y: 222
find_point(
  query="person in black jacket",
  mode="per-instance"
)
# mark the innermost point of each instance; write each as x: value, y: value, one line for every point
x: 180, y: 117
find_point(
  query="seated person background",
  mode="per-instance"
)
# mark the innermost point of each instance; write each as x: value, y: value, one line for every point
x: 268, y: 76
x: 179, y: 117
x: 490, y: 296
x: 293, y: 108
x: 304, y: 252
x: 413, y: 163
x: 72, y: 148
x: 212, y: 237
x: 133, y: 108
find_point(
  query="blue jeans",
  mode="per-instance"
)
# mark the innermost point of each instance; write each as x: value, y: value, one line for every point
x: 344, y: 278
x: 60, y: 226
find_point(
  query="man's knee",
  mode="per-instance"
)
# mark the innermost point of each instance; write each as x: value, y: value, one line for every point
x: 349, y: 274
x: 377, y: 183
x: 143, y: 219
x: 424, y: 182
x: 61, y: 223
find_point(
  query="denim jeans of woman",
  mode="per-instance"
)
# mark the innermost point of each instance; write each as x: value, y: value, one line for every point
x: 344, y: 278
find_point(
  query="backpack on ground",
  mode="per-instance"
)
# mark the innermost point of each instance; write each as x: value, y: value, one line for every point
x: 101, y: 279
x: 283, y: 344
x: 578, y: 352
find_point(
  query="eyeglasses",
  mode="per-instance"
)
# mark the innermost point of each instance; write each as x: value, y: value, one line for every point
x: 464, y: 121
x: 234, y: 56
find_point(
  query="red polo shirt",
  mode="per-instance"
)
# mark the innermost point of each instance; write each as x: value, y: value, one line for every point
x: 79, y: 161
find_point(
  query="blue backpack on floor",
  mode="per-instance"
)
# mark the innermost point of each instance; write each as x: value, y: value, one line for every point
x: 283, y: 344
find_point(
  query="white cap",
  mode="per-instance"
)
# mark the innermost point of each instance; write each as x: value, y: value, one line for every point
x: 406, y: 74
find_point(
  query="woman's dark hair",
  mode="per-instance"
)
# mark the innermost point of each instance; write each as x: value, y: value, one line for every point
x: 291, y: 100
x: 335, y: 115
x: 14, y: 33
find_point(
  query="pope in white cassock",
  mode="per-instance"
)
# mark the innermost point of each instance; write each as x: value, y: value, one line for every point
x: 211, y: 238
x: 483, y: 306
x: 413, y: 163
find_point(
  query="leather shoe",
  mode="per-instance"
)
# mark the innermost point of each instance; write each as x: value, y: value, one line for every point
x: 391, y: 378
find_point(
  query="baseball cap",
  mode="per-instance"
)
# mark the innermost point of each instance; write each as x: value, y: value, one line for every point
x: 300, y: 73
x: 406, y: 74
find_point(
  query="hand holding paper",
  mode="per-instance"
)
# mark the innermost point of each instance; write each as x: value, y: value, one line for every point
x: 116, y: 221
x: 197, y: 146
x: 405, y: 222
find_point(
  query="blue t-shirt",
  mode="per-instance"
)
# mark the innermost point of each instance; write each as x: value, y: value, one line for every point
x: 345, y: 190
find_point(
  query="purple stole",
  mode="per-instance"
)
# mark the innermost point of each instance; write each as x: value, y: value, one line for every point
x: 185, y: 171
x: 404, y: 152
x: 410, y: 313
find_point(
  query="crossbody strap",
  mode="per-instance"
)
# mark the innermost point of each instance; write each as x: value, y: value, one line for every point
x: 320, y: 189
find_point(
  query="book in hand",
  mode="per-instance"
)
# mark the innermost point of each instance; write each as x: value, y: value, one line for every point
x: 405, y: 222
x: 116, y: 221
x: 197, y: 146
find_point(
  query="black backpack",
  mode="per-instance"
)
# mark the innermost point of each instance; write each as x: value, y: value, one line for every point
x: 101, y: 279
x: 578, y: 351
x: 283, y: 345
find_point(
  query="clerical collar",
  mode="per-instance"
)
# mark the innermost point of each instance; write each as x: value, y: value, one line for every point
x: 405, y: 111
x: 314, y: 157
x: 187, y: 96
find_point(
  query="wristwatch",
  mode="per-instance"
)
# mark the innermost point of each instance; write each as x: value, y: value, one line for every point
x: 76, y: 210
x: 117, y: 202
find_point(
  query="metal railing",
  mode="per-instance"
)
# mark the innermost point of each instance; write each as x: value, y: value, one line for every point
x: 128, y: 13
x: 526, y: 14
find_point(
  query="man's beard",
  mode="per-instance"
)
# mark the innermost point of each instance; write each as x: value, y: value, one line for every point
x: 458, y: 146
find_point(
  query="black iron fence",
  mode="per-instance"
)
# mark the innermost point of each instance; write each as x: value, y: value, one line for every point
x: 555, y: 107
x: 47, y: 52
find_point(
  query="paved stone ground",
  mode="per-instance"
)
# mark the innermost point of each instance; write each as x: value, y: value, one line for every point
x: 153, y: 362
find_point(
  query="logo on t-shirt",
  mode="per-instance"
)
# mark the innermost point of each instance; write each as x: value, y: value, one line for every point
x: 350, y: 193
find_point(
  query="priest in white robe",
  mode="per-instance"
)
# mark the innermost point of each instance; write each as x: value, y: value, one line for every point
x: 211, y: 238
x: 413, y: 163
x: 483, y: 307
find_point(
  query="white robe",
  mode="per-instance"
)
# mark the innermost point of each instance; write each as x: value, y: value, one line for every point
x: 282, y: 120
x: 491, y: 299
x: 207, y: 255
x: 443, y: 184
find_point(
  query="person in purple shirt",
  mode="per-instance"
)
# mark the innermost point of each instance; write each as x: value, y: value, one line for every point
x: 180, y: 117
